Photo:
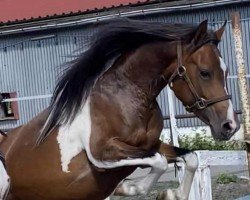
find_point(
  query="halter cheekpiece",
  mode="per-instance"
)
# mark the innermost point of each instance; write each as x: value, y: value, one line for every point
x: 181, y: 73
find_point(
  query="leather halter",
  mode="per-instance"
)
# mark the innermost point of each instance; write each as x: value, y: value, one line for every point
x: 181, y: 73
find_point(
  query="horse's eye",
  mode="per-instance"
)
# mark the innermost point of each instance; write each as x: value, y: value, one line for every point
x: 205, y: 74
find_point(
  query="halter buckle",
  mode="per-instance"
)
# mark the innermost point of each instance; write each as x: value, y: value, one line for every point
x: 201, y: 104
x: 181, y: 70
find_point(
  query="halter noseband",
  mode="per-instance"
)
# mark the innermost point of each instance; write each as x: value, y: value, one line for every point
x: 181, y: 73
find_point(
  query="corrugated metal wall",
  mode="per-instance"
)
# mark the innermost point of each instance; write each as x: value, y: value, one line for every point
x: 30, y: 66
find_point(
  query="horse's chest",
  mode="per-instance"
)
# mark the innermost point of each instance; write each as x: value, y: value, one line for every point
x: 74, y: 138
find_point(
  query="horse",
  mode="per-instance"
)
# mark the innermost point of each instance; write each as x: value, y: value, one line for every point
x: 104, y: 121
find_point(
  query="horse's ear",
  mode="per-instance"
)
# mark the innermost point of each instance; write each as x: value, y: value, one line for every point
x: 220, y: 31
x: 201, y: 30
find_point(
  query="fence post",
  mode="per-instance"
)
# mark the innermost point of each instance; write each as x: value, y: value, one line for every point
x: 201, y: 186
x: 244, y: 91
x: 173, y: 123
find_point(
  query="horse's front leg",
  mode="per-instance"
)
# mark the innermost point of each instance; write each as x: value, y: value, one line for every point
x: 182, y: 192
x: 142, y: 148
x: 133, y: 156
x: 143, y: 186
x: 132, y: 187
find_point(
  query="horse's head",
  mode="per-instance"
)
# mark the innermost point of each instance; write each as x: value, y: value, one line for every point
x: 200, y: 82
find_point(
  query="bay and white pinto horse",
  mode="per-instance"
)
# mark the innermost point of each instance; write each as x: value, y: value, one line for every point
x: 104, y: 120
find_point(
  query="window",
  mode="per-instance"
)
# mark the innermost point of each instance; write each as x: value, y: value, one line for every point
x: 8, y: 110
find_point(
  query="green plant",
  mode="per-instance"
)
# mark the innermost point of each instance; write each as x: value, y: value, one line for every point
x: 226, y: 178
x: 203, y: 142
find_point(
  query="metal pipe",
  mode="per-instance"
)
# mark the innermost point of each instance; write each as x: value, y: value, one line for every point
x: 27, y: 98
x: 173, y: 122
x: 243, y: 86
x: 121, y: 14
x: 42, y: 37
x: 189, y: 116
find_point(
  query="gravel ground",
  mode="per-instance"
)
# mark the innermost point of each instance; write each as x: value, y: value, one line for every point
x: 229, y: 191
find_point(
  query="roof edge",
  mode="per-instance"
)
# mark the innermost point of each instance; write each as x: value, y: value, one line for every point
x: 96, y: 17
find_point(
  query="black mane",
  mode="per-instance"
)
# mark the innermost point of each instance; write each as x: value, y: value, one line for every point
x: 114, y: 38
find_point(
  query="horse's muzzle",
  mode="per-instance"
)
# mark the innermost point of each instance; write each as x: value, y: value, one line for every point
x: 225, y: 131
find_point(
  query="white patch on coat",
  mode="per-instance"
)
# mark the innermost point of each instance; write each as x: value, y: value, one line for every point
x: 76, y: 137
x: 70, y: 145
x: 70, y: 137
x: 230, y: 111
x: 4, y: 182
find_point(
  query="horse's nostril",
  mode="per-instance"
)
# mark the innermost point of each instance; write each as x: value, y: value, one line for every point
x: 227, y: 127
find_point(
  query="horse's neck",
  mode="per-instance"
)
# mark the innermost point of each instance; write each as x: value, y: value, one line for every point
x: 146, y: 67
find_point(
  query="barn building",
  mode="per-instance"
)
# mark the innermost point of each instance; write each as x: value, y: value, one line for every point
x: 38, y: 37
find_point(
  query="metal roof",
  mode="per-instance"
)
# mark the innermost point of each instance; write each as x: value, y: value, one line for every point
x: 19, y: 11
x: 22, y: 10
x: 41, y: 18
